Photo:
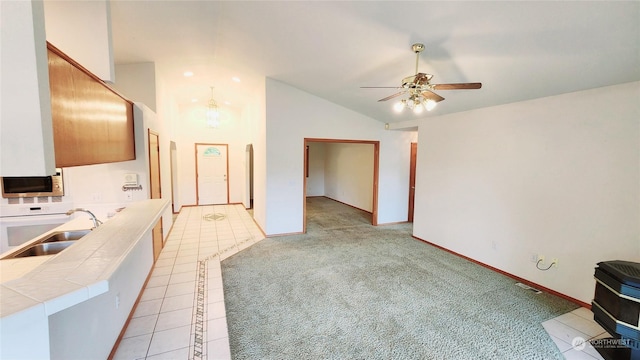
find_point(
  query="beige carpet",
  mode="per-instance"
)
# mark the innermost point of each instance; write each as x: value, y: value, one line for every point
x: 348, y: 290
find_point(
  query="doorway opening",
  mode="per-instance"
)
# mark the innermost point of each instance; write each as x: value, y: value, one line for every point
x: 342, y: 170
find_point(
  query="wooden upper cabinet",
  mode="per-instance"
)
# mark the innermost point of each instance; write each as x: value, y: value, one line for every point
x: 92, y: 124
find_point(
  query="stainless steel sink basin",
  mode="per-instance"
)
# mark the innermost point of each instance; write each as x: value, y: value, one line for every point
x: 48, y: 248
x: 65, y: 236
x: 51, y: 244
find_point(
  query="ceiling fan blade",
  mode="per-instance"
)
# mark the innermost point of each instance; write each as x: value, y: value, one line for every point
x: 380, y: 87
x: 432, y: 96
x: 392, y: 96
x: 457, y: 86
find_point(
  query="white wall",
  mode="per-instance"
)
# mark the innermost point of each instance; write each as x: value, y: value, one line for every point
x: 25, y: 336
x: 291, y: 116
x: 137, y: 82
x: 349, y: 174
x: 26, y: 105
x: 98, y: 321
x: 167, y: 115
x: 82, y: 30
x: 193, y: 129
x: 255, y: 116
x: 315, y: 181
x: 557, y: 176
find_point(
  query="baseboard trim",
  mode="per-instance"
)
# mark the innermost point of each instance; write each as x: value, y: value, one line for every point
x: 259, y: 227
x: 394, y: 223
x: 344, y: 203
x: 283, y: 234
x: 524, y: 281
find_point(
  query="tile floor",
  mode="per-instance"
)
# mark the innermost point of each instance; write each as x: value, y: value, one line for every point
x: 578, y: 323
x: 181, y: 314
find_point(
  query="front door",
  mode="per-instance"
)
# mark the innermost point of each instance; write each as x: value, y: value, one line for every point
x: 212, y: 183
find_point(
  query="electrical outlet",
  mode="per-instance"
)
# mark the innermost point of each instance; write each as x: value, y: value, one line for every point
x: 554, y: 261
x: 541, y: 259
x: 534, y: 257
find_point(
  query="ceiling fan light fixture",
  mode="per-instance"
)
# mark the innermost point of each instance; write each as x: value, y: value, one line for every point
x: 418, y: 108
x: 420, y: 89
x: 399, y: 106
x: 430, y: 104
x: 411, y: 102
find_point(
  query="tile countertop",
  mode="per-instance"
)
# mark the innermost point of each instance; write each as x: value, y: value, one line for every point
x: 14, y: 268
x: 82, y: 271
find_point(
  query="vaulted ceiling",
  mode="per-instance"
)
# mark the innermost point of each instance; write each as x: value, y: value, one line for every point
x: 518, y: 50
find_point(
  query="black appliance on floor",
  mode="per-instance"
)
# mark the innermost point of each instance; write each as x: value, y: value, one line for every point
x: 616, y: 307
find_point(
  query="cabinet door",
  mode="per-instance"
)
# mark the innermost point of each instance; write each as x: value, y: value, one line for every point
x: 92, y: 124
x: 158, y: 242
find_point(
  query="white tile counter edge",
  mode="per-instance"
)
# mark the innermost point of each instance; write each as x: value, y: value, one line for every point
x: 83, y: 270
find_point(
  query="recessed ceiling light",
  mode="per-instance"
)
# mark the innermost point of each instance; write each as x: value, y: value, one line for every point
x: 227, y: 103
x: 188, y: 74
x: 194, y: 100
x: 236, y: 79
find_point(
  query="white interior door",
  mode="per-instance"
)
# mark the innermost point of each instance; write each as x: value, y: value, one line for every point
x: 211, y: 172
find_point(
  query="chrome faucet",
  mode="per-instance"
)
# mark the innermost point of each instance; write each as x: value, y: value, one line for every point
x: 96, y: 222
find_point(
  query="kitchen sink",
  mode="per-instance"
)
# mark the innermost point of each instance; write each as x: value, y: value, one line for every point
x: 48, y: 248
x: 65, y: 236
x: 51, y: 244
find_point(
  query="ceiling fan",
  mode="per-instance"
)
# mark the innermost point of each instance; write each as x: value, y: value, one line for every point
x: 420, y: 89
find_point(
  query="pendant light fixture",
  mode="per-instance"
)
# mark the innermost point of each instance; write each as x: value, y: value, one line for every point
x: 213, y: 115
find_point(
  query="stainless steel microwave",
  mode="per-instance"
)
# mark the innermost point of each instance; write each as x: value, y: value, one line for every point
x: 32, y: 186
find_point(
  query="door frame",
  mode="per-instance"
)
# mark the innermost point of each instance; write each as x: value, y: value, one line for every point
x: 149, y: 134
x: 196, y: 159
x: 376, y: 172
x: 173, y: 158
x: 157, y: 232
x: 412, y: 179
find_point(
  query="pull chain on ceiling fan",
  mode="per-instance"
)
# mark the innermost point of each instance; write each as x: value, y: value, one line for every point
x: 420, y: 89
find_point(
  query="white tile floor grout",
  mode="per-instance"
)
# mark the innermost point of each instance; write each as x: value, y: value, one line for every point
x: 575, y: 328
x: 180, y: 317
x: 170, y: 322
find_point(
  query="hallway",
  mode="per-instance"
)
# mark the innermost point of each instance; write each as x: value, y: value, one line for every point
x: 181, y: 314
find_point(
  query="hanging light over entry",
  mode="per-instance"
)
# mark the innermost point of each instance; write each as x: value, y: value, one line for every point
x: 213, y: 115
